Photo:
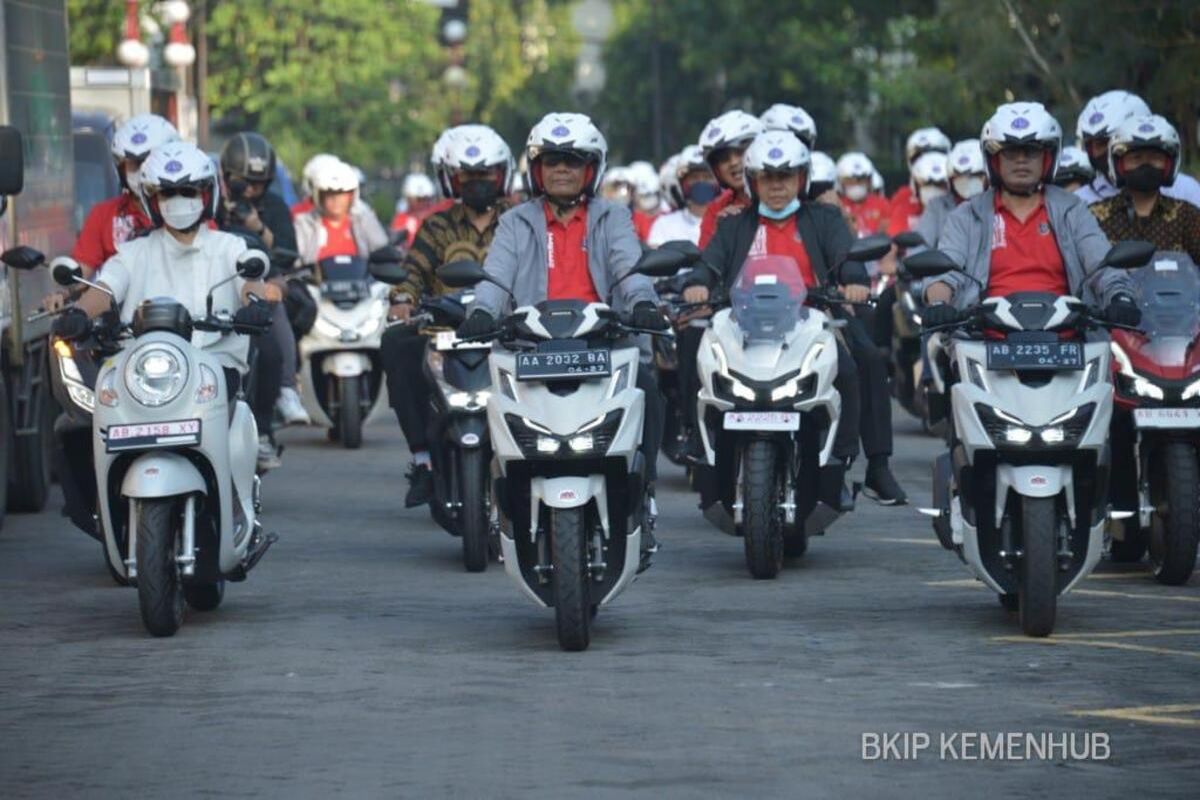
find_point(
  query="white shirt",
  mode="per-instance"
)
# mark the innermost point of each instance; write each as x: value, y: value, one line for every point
x: 158, y: 265
x: 681, y: 224
x: 1185, y: 188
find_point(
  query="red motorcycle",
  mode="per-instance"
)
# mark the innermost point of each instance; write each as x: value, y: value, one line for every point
x: 1156, y: 421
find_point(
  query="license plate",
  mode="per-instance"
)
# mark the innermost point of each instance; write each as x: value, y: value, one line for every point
x: 564, y: 364
x: 1167, y: 417
x: 762, y: 420
x: 1034, y: 355
x: 448, y: 340
x: 155, y: 434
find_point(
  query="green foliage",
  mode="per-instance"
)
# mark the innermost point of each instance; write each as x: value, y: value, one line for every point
x: 96, y: 27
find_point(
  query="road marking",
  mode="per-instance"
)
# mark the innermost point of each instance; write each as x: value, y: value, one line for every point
x: 1129, y: 634
x: 1155, y: 715
x: 971, y: 583
x: 1120, y: 576
x: 906, y: 541
x: 968, y: 583
x: 1104, y: 640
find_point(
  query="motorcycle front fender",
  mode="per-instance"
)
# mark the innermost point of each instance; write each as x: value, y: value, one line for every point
x: 162, y: 474
x: 346, y: 364
x: 1037, y: 480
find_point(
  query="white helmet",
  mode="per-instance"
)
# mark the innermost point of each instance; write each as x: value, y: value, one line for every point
x: 311, y: 167
x: 776, y: 151
x: 559, y: 132
x: 966, y: 158
x: 477, y: 147
x: 335, y: 176
x: 1148, y: 132
x: 690, y: 159
x: 138, y: 135
x: 179, y: 165
x: 877, y: 184
x: 646, y: 185
x: 854, y: 165
x: 1104, y: 113
x: 731, y: 129
x: 925, y: 140
x: 784, y: 117
x: 1074, y: 165
x: 670, y: 182
x: 931, y: 167
x: 822, y: 175
x: 437, y: 159
x: 418, y: 186
x: 1021, y: 124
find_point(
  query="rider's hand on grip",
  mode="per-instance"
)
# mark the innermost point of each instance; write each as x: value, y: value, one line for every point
x: 72, y: 324
x: 939, y: 314
x: 480, y: 323
x: 646, y: 315
x: 255, y: 316
x: 1122, y: 310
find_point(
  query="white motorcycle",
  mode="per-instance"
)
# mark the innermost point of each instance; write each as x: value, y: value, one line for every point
x: 768, y: 408
x: 342, y: 383
x: 1022, y: 496
x: 565, y: 417
x: 174, y: 462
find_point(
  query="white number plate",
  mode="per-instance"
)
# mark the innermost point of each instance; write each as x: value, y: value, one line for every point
x: 155, y: 434
x: 1167, y: 417
x: 448, y: 340
x: 762, y: 420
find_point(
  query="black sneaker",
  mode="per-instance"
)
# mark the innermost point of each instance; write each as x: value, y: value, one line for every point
x: 693, y: 448
x: 881, y: 486
x: 420, y: 486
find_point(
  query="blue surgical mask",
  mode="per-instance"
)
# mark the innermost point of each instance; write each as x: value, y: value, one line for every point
x: 702, y: 193
x: 783, y: 213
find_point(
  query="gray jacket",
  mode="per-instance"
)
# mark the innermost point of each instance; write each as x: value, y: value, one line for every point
x: 967, y: 239
x: 369, y: 234
x: 933, y: 219
x: 517, y: 258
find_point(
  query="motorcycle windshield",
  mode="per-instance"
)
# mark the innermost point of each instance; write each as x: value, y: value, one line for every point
x: 340, y: 269
x: 1168, y: 292
x: 767, y: 297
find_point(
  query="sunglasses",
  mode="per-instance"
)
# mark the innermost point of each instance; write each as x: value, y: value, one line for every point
x: 179, y: 191
x: 572, y: 160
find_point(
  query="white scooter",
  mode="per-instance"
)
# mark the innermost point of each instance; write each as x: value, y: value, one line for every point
x: 768, y: 408
x: 1021, y: 496
x: 565, y: 416
x: 342, y: 383
x: 175, y: 462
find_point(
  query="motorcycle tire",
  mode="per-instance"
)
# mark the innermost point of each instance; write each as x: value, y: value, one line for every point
x: 204, y: 596
x: 572, y: 579
x: 1037, y: 573
x: 350, y: 421
x: 762, y: 533
x: 473, y: 517
x: 1174, y: 541
x: 159, y: 584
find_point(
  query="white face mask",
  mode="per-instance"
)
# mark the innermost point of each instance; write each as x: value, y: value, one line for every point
x: 967, y: 186
x: 929, y: 194
x: 857, y: 192
x: 181, y: 213
x: 133, y: 179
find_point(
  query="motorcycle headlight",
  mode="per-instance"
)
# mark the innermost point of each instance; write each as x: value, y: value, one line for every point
x: 471, y: 401
x: 371, y: 324
x: 326, y: 328
x: 106, y: 389
x: 593, y: 438
x: 1131, y: 382
x: 156, y: 374
x: 1193, y: 390
x: 1064, y: 430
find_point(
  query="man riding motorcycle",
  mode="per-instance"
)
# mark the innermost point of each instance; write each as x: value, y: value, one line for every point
x: 1023, y: 234
x: 693, y: 188
x: 337, y: 224
x: 870, y: 211
x: 968, y: 178
x: 568, y: 244
x: 418, y: 198
x: 722, y: 142
x: 1074, y: 170
x: 478, y: 166
x: 816, y: 236
x: 1098, y: 121
x: 906, y: 203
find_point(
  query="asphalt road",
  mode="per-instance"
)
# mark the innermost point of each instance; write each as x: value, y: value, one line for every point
x: 360, y: 660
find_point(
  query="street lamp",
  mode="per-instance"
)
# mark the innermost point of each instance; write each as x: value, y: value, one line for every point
x: 131, y: 52
x: 179, y: 51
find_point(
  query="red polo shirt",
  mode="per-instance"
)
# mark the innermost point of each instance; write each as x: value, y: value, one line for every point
x: 339, y: 239
x: 642, y: 222
x: 1025, y: 255
x: 708, y: 224
x: 567, y: 275
x: 780, y: 238
x: 110, y: 223
x: 905, y: 211
x: 870, y: 216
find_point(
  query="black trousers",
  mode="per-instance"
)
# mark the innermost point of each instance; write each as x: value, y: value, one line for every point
x: 687, y: 346
x: 875, y: 422
x: 402, y: 351
x: 266, y: 365
x: 652, y: 421
x: 880, y: 318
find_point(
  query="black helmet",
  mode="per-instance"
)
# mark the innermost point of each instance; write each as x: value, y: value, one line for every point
x: 250, y: 157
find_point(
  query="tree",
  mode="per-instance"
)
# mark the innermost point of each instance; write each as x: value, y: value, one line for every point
x: 96, y: 27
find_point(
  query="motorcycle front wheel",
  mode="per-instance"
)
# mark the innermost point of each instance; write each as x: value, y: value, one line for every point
x: 1037, y: 576
x: 1174, y: 537
x: 473, y: 517
x: 572, y: 579
x: 350, y: 419
x: 159, y: 585
x: 762, y: 534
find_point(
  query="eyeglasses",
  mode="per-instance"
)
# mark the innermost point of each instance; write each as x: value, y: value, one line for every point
x: 1021, y: 153
x: 723, y: 155
x: 179, y: 191
x: 572, y: 160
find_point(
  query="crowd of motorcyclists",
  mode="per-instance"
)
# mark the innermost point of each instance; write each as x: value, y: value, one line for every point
x: 757, y: 234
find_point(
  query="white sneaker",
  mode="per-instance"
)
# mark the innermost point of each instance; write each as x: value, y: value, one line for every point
x: 268, y: 456
x: 290, y: 408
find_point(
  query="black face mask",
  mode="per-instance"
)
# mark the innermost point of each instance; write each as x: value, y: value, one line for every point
x: 703, y: 192
x: 479, y: 195
x: 1146, y: 178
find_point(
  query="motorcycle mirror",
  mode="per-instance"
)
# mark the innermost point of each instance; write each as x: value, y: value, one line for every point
x: 664, y: 262
x: 461, y: 274
x: 22, y: 257
x: 387, y: 272
x: 252, y: 264
x: 1129, y: 254
x: 284, y: 259
x: 66, y: 271
x: 12, y: 161
x: 384, y: 255
x: 684, y: 246
x: 909, y: 239
x: 928, y: 264
x: 869, y: 248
